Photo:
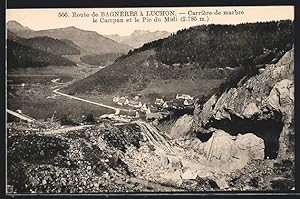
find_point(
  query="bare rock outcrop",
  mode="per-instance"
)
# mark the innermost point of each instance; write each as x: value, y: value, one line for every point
x: 182, y: 127
x: 262, y: 105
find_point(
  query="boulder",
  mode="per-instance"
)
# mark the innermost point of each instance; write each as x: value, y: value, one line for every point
x: 233, y: 152
x: 222, y: 183
x: 174, y: 162
x: 250, y: 110
x: 252, y: 144
x: 189, y: 175
x: 173, y: 177
x: 182, y: 126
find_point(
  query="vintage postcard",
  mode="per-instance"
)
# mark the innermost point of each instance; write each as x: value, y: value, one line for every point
x: 151, y: 100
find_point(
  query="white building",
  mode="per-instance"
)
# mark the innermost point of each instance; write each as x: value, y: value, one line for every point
x: 184, y: 96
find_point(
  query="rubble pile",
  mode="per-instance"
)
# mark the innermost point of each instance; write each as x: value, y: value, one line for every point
x: 264, y: 175
x: 85, y: 160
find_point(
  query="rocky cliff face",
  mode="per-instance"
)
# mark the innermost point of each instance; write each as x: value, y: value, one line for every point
x: 262, y: 105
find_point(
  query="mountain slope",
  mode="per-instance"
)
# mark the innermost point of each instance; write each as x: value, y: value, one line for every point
x: 14, y: 26
x: 142, y: 73
x: 100, y: 60
x: 55, y: 46
x: 51, y: 45
x: 90, y: 41
x: 12, y: 36
x: 19, y: 55
x: 174, y: 59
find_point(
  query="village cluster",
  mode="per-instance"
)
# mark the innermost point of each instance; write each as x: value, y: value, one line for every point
x: 180, y: 102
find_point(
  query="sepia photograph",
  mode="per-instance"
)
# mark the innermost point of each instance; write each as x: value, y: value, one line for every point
x: 150, y: 100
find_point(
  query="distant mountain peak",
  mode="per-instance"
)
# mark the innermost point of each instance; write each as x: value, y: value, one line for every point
x: 16, y: 26
x: 72, y: 27
x: 139, y: 32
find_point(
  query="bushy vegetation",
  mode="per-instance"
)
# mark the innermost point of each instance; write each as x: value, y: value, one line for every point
x: 66, y: 120
x: 89, y: 119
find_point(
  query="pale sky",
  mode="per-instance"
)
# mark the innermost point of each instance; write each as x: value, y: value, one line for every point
x: 41, y: 19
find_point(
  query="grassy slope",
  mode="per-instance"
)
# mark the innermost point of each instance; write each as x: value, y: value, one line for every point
x: 100, y: 60
x: 140, y: 73
x: 42, y: 108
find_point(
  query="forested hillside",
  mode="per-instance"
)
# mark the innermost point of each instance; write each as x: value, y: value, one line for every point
x: 19, y: 55
x: 211, y: 46
x: 51, y: 45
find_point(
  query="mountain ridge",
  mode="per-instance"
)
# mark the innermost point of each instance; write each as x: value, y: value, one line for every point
x: 139, y: 37
x: 91, y: 41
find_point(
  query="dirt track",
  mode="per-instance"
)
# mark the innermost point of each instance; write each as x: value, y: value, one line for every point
x: 64, y: 130
x: 91, y: 102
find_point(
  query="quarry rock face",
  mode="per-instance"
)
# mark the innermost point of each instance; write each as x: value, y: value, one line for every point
x: 230, y: 148
x: 260, y: 110
x: 182, y: 127
x: 231, y: 152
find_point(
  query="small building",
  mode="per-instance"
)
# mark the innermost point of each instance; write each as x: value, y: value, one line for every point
x: 137, y: 97
x: 126, y: 102
x: 116, y: 99
x: 146, y: 108
x: 134, y: 104
x: 122, y: 101
x: 188, y: 102
x: 55, y: 80
x: 159, y: 101
x: 184, y: 96
x: 19, y: 111
x: 168, y: 104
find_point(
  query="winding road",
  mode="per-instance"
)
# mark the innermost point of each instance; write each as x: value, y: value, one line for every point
x: 91, y: 102
x: 20, y: 116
